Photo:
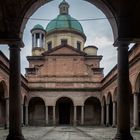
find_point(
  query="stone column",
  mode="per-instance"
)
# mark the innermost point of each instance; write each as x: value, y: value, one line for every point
x: 107, y: 114
x: 54, y: 118
x: 22, y: 119
x: 15, y: 132
x: 7, y: 113
x: 47, y: 115
x: 136, y: 112
x: 26, y: 115
x: 43, y: 40
x: 102, y: 115
x: 35, y: 41
x: 32, y: 40
x: 123, y: 95
x: 75, y: 115
x: 82, y: 115
x: 114, y: 114
x: 40, y: 39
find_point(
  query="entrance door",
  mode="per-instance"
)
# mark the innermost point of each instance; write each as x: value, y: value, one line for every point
x: 64, y: 113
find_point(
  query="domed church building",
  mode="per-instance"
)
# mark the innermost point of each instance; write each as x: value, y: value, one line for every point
x: 64, y: 77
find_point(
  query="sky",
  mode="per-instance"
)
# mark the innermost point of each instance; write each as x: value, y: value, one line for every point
x: 98, y: 32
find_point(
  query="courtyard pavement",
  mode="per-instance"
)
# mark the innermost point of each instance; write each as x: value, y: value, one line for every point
x: 68, y: 133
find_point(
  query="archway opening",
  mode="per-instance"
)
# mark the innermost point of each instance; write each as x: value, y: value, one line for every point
x: 24, y: 110
x: 104, y: 107
x: 36, y: 112
x: 2, y: 106
x: 110, y: 109
x: 92, y: 111
x: 64, y: 110
x: 115, y: 101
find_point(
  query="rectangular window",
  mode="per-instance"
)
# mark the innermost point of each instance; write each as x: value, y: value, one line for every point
x: 49, y: 45
x: 78, y: 45
x: 64, y: 41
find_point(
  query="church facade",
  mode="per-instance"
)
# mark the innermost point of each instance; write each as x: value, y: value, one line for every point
x: 64, y: 83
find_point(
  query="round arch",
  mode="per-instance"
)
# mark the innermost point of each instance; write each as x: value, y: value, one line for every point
x: 5, y: 88
x: 92, y: 107
x: 110, y: 105
x: 36, y: 111
x: 61, y: 97
x: 2, y: 104
x: 114, y: 97
x: 103, y: 101
x: 25, y: 104
x: 109, y: 97
x: 103, y: 6
x: 31, y: 97
x: 104, y: 110
x: 64, y: 111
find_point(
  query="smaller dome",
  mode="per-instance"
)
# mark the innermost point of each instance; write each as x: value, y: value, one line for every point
x: 38, y: 26
x: 91, y: 50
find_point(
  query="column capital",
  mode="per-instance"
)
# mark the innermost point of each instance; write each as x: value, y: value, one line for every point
x: 121, y: 42
x: 135, y: 93
x: 6, y: 98
x: 114, y: 101
x: 16, y: 42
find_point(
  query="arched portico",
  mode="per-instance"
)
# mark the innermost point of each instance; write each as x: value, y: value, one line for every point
x: 36, y: 112
x: 103, y: 111
x: 25, y: 111
x: 92, y: 111
x: 109, y: 117
x: 2, y: 105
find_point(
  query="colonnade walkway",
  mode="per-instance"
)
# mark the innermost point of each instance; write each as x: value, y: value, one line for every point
x: 68, y: 133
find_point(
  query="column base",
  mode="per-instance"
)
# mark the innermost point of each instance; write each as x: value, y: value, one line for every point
x: 13, y: 137
x: 113, y: 126
x: 120, y: 136
x: 135, y: 128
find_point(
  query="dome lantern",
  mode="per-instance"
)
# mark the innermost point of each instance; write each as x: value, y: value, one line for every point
x: 64, y: 7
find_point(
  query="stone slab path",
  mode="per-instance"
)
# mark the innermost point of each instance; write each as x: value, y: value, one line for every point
x: 68, y: 133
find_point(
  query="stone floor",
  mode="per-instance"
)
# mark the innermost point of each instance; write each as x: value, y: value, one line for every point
x: 68, y: 133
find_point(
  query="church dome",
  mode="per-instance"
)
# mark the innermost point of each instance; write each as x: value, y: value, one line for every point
x: 64, y: 21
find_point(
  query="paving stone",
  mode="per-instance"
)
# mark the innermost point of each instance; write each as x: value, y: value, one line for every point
x: 68, y: 133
